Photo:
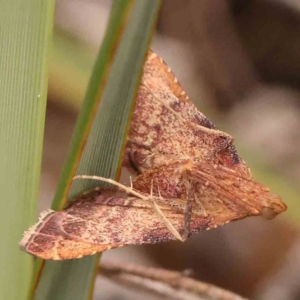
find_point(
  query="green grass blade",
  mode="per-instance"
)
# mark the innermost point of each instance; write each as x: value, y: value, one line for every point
x: 102, y: 154
x: 107, y: 137
x: 25, y: 31
x: 118, y: 17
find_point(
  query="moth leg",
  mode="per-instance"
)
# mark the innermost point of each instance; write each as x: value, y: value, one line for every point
x: 198, y: 201
x: 190, y: 199
x: 158, y: 211
x: 131, y: 183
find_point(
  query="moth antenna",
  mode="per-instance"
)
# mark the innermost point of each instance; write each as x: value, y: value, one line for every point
x: 125, y: 188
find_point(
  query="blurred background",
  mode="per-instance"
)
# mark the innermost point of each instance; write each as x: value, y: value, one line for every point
x: 239, y: 62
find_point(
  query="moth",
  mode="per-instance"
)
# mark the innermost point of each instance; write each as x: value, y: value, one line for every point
x: 189, y: 178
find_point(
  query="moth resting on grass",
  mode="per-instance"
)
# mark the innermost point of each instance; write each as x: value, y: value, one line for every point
x: 189, y: 178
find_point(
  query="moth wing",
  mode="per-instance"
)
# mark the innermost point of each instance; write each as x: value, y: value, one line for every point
x: 95, y: 224
x: 239, y: 193
x: 164, y: 75
x: 165, y: 122
x: 219, y: 193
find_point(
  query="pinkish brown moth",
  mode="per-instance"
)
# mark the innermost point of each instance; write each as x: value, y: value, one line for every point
x: 189, y: 178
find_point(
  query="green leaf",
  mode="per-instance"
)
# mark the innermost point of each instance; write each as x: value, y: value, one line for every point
x: 118, y: 18
x: 103, y: 152
x: 25, y: 31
